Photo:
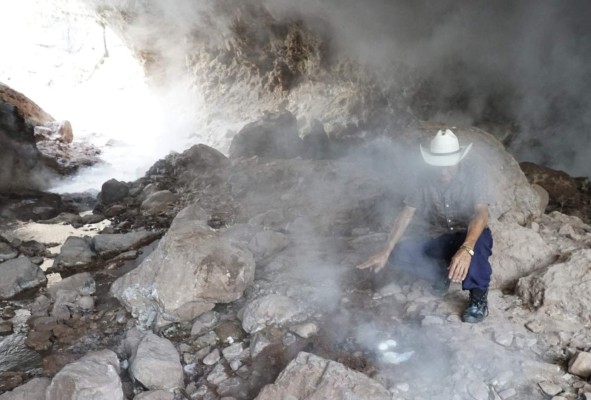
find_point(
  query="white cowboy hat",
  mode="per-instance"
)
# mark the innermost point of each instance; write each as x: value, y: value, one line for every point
x: 444, y: 150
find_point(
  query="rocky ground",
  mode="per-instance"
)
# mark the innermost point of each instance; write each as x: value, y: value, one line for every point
x: 233, y: 278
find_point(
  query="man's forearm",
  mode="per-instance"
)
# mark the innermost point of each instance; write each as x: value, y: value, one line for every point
x: 400, y: 227
x: 477, y: 225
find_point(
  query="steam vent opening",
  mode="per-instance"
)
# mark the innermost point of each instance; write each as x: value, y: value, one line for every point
x: 269, y: 199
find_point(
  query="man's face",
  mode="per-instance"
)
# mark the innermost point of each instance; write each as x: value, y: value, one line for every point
x: 446, y: 174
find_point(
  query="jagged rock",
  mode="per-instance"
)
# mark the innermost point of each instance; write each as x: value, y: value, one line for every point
x: 305, y: 330
x: 94, y: 376
x: 18, y: 275
x: 108, y: 245
x: 562, y: 289
x: 158, y: 201
x: 580, y: 365
x: 32, y: 390
x: 267, y: 243
x: 155, y: 395
x: 204, y: 322
x: 7, y: 252
x: 83, y: 284
x: 75, y: 252
x: 212, y: 358
x: 191, y: 269
x: 156, y: 364
x: 272, y: 309
x: 217, y: 375
x: 562, y: 189
x: 113, y: 191
x: 517, y: 252
x: 551, y: 389
x: 15, y: 355
x: 201, y: 158
x: 274, y: 136
x: 258, y: 343
x: 311, y: 377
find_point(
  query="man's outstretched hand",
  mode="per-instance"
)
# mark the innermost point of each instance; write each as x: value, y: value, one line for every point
x: 458, y: 268
x: 375, y: 263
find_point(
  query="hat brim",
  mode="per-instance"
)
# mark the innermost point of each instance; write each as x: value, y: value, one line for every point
x: 445, y: 160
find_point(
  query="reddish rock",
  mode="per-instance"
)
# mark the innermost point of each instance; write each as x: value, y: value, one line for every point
x: 10, y: 380
x: 560, y: 186
x: 55, y: 362
x: 38, y: 341
x: 5, y: 328
x: 27, y: 108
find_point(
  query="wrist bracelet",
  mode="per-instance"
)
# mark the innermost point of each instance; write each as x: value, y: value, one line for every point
x: 468, y: 250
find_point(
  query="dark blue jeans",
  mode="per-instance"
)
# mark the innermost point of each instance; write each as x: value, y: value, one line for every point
x: 428, y: 258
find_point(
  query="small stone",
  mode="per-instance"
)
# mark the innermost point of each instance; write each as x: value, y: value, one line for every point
x: 209, y: 339
x: 403, y: 387
x: 305, y: 330
x: 550, y: 388
x: 212, y: 358
x: 235, y: 365
x: 503, y: 338
x: 258, y: 343
x: 204, y: 323
x: 86, y: 303
x: 5, y: 328
x: 478, y: 390
x: 289, y: 339
x: 232, y: 352
x: 8, y: 313
x: 507, y: 393
x: 38, y: 341
x: 580, y: 365
x: 217, y: 375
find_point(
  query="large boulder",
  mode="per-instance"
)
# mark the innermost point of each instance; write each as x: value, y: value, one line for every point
x: 156, y: 364
x: 191, y: 270
x: 517, y: 252
x: 272, y: 309
x: 95, y: 376
x: 32, y: 390
x: 113, y: 191
x: 561, y: 187
x: 18, y: 275
x: 75, y: 252
x: 561, y: 290
x: 312, y: 377
x: 108, y: 245
x: 273, y: 136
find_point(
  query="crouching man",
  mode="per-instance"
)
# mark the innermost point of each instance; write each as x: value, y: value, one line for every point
x: 452, y: 198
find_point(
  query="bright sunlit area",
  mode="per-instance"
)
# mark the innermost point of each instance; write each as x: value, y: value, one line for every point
x: 57, y: 53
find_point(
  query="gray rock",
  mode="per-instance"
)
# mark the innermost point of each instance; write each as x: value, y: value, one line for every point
x: 311, y: 377
x: 305, y: 330
x: 258, y: 343
x: 190, y: 271
x: 32, y: 390
x: 158, y: 201
x: 503, y: 338
x: 561, y: 290
x: 76, y: 252
x: 580, y: 365
x: 83, y: 284
x: 95, y: 376
x: 267, y: 243
x: 212, y: 358
x: 113, y: 191
x: 273, y: 309
x: 233, y: 351
x: 550, y: 388
x: 217, y: 375
x: 156, y: 364
x: 85, y: 303
x: 108, y: 245
x: 275, y: 136
x: 508, y: 393
x: 18, y: 275
x: 155, y: 395
x: 518, y: 252
x: 204, y: 322
x: 7, y: 252
x: 15, y: 355
x: 478, y: 390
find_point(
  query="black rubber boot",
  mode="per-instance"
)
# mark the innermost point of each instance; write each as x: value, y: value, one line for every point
x: 477, y: 308
x: 440, y: 288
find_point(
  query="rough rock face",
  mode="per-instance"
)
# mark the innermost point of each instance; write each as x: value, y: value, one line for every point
x: 23, y: 121
x: 76, y: 252
x: 562, y: 289
x: 32, y: 390
x: 156, y: 364
x: 517, y: 251
x: 312, y: 377
x: 269, y: 310
x: 191, y: 270
x: 94, y: 376
x: 18, y: 275
x: 274, y: 136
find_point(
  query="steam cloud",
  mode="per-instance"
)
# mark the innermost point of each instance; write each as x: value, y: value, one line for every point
x: 516, y: 68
